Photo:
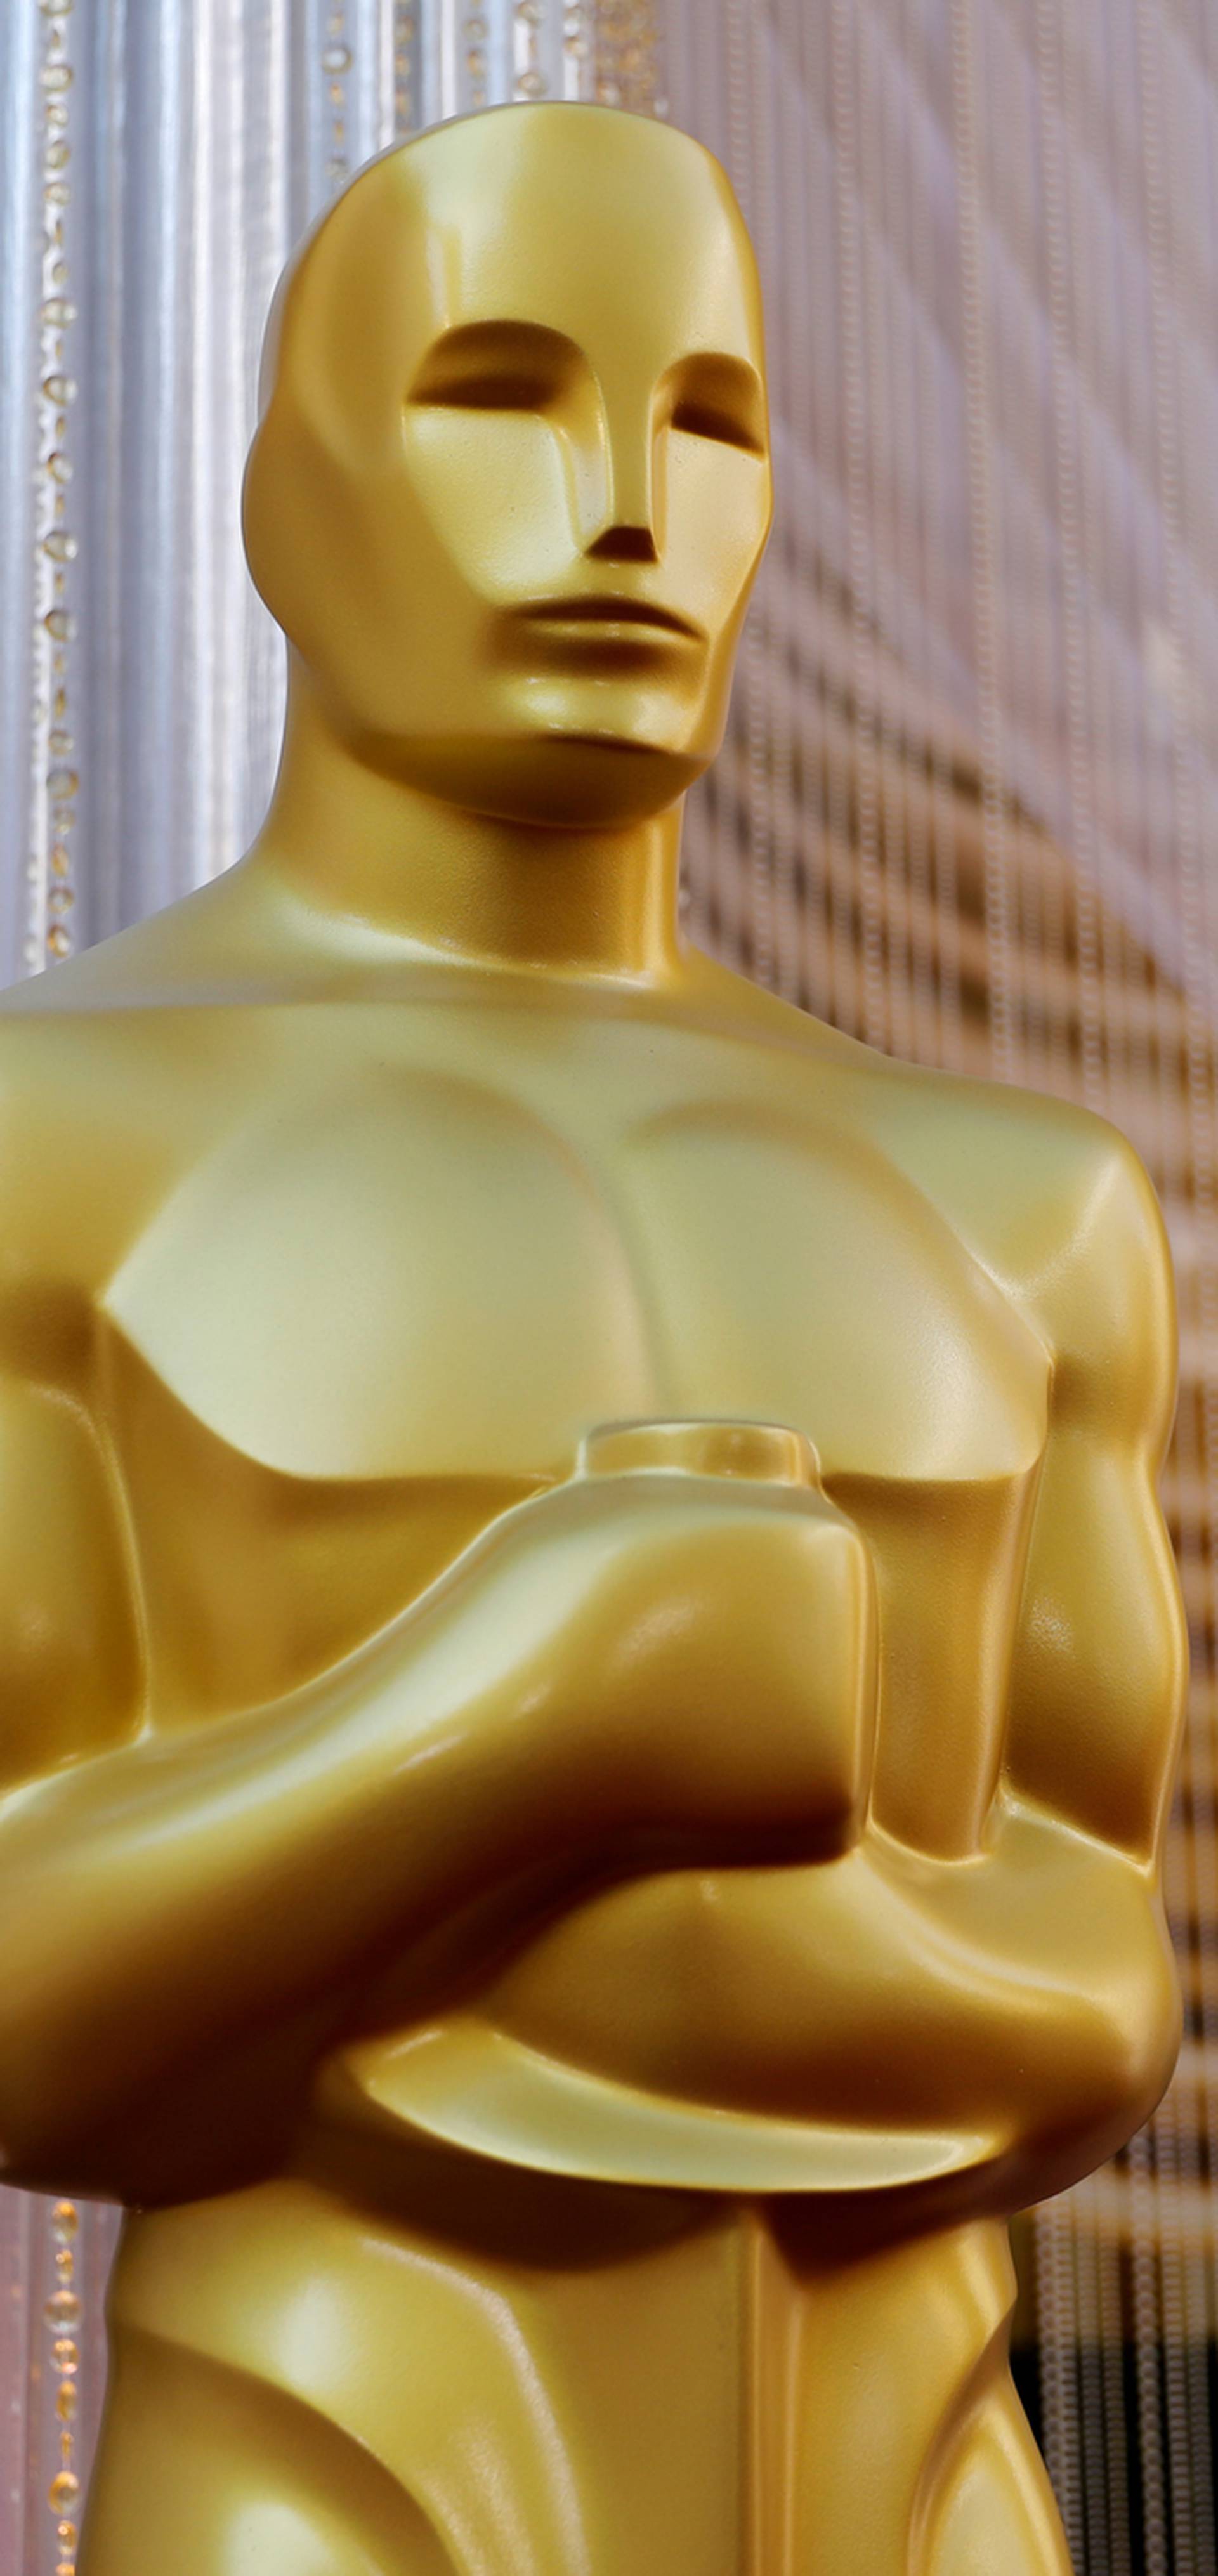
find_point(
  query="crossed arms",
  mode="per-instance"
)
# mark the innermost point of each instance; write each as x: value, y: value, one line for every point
x: 186, y: 1922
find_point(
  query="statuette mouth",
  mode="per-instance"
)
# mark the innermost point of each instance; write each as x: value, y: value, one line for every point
x: 608, y: 610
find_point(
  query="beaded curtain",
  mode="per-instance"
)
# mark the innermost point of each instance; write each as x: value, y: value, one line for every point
x: 970, y: 813
x: 967, y: 808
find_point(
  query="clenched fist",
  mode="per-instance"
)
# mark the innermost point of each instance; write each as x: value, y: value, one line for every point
x: 705, y: 1652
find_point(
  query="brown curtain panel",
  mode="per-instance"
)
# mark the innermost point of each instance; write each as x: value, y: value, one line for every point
x: 969, y: 812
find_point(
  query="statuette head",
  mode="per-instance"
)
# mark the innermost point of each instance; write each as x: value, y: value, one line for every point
x: 511, y: 482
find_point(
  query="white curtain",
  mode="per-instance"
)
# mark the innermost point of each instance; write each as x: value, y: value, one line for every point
x: 158, y: 160
x: 203, y: 136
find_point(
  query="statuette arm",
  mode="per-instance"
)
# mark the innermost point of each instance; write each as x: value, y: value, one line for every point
x: 1101, y: 1658
x: 572, y: 1685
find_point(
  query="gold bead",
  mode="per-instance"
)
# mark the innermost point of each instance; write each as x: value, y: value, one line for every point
x: 64, y: 2352
x: 63, y: 2309
x: 64, y: 2490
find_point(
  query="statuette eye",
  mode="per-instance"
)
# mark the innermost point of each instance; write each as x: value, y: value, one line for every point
x: 712, y: 395
x: 497, y: 366
x: 501, y: 392
x: 702, y: 420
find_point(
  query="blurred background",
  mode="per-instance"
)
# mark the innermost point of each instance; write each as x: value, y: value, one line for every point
x: 969, y: 806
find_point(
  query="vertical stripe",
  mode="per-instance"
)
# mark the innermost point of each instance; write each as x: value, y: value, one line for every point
x: 845, y: 40
x: 983, y: 530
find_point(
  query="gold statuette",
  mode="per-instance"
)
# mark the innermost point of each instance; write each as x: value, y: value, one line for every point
x: 590, y: 1663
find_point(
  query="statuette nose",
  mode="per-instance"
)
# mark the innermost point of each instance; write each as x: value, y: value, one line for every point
x: 625, y: 542
x: 765, y: 1452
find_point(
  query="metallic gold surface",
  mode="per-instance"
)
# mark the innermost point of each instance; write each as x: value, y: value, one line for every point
x: 591, y: 1662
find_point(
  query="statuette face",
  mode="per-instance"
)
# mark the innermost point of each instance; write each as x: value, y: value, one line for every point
x: 590, y: 1661
x: 512, y: 481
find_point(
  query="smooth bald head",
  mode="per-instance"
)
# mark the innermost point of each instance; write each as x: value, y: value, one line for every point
x: 515, y: 380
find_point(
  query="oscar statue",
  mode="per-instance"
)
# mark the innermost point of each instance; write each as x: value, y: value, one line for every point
x: 590, y: 1663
